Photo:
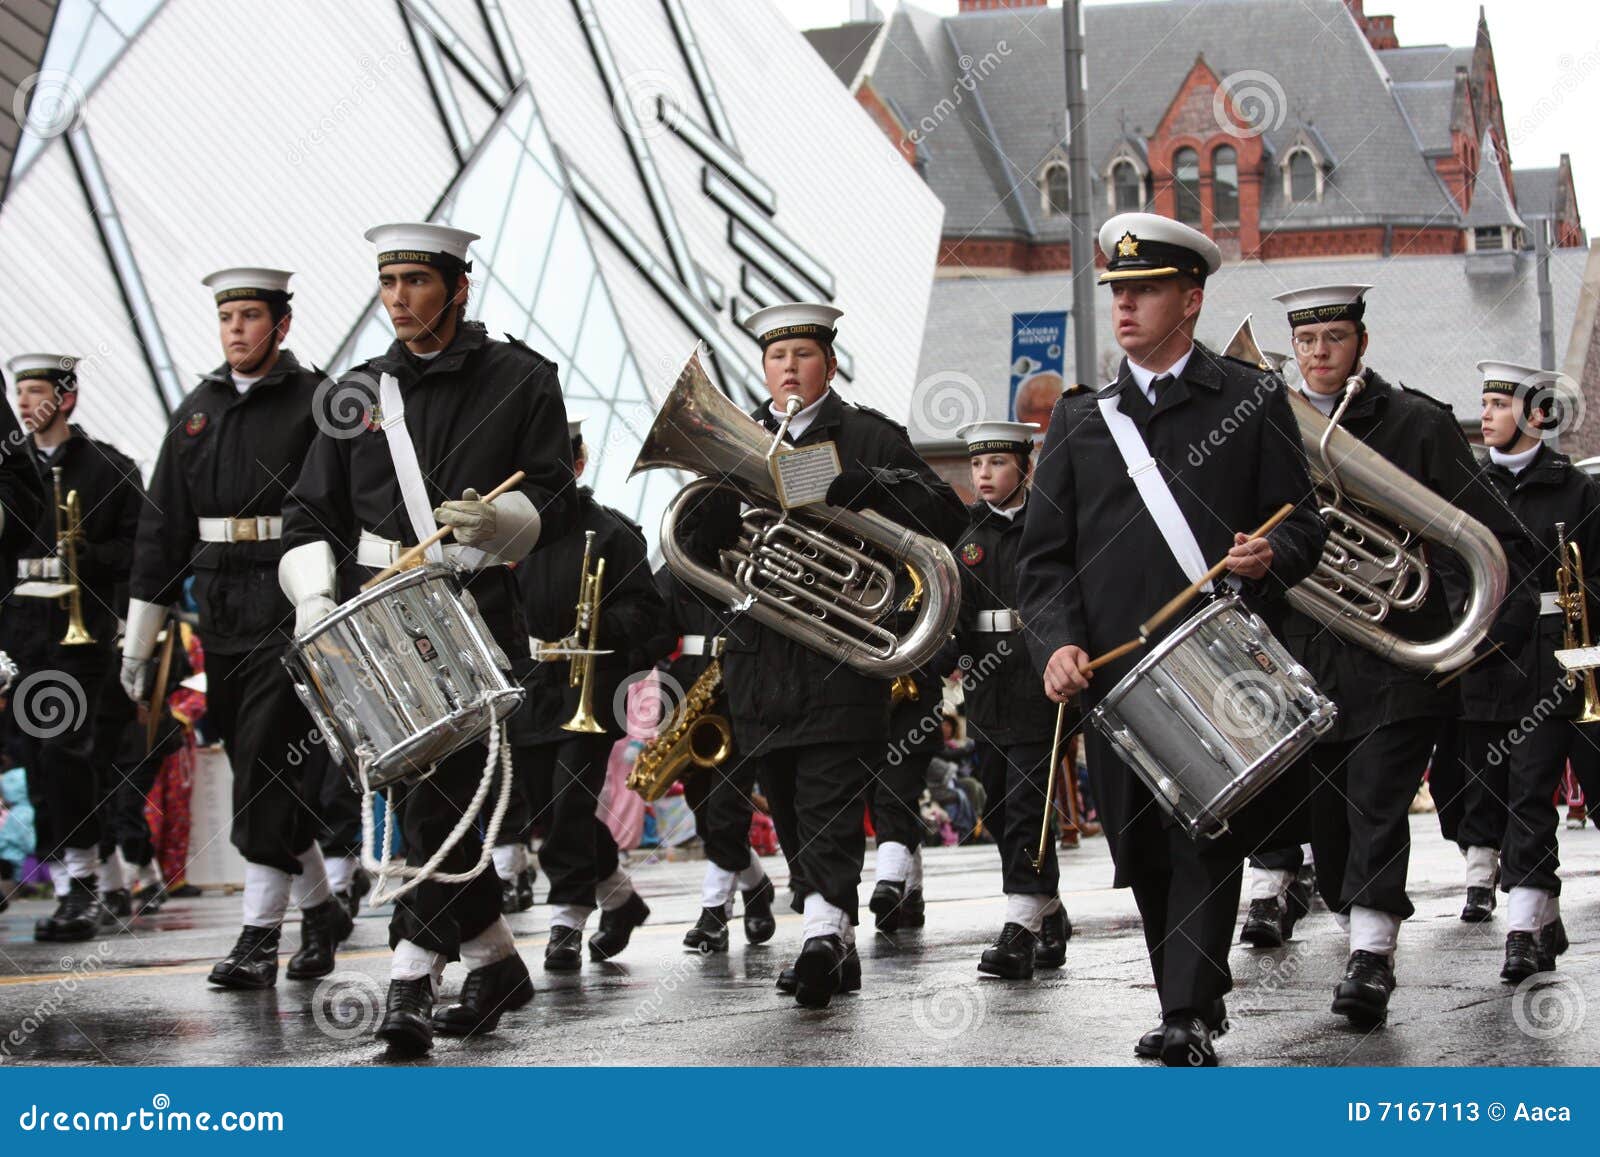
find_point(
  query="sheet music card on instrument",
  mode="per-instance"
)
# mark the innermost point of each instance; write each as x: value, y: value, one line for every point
x: 1578, y: 658
x: 801, y: 475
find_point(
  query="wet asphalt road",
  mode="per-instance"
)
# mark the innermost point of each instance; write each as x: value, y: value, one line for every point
x: 139, y: 997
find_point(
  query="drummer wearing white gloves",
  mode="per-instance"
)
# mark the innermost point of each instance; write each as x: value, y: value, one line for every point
x: 1104, y: 546
x: 446, y: 413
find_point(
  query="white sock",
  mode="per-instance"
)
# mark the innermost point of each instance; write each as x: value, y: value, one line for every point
x: 341, y: 872
x: 1552, y: 908
x: 1373, y: 931
x: 823, y: 919
x: 914, y: 872
x: 266, y: 895
x: 150, y: 874
x: 569, y: 916
x: 60, y: 878
x: 413, y: 962
x: 615, y: 890
x: 1269, y: 883
x: 82, y: 862
x: 310, y: 887
x: 751, y: 876
x: 492, y: 944
x: 1342, y: 919
x: 1525, y: 909
x: 509, y: 860
x: 1027, y: 910
x: 1054, y: 906
x: 111, y: 873
x: 1480, y: 867
x: 894, y: 861
x: 716, y: 887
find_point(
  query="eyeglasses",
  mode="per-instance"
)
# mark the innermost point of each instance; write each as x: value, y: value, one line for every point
x: 1307, y: 342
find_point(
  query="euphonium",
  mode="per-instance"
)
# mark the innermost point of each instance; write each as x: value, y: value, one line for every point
x: 1378, y: 519
x: 69, y: 529
x: 1572, y: 597
x: 820, y: 575
x: 581, y: 674
x: 695, y: 736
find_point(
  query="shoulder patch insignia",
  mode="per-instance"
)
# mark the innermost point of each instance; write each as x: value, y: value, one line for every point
x: 196, y: 423
x: 972, y: 554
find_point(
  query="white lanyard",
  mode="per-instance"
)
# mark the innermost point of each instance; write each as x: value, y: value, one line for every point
x: 407, y: 469
x: 1154, y: 491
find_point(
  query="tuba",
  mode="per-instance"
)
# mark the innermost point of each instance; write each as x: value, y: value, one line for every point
x: 1379, y: 521
x: 822, y: 576
x: 695, y: 736
x: 1572, y: 598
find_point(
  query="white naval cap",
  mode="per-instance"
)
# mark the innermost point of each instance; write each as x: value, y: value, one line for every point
x: 1144, y: 245
x: 52, y: 366
x: 794, y: 319
x: 1323, y: 303
x: 1509, y: 377
x: 421, y: 243
x: 998, y: 437
x: 574, y: 427
x: 245, y: 282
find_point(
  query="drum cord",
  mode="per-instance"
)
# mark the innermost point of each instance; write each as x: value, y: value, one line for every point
x: 499, y: 753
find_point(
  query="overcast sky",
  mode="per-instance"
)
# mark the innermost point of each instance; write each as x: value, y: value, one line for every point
x: 1547, y: 53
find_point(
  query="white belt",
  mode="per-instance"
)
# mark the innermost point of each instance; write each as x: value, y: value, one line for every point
x: 38, y: 568
x: 1548, y: 604
x: 259, y: 528
x: 382, y: 553
x: 998, y: 621
x: 696, y: 645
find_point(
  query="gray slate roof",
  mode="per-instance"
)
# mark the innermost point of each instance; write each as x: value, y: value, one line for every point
x: 1419, y: 62
x: 1491, y: 200
x: 1537, y: 190
x: 1428, y: 105
x: 845, y: 47
x: 24, y: 31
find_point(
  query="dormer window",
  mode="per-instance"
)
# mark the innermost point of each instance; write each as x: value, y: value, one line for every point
x: 1304, y: 182
x: 1055, y: 189
x: 1127, y: 188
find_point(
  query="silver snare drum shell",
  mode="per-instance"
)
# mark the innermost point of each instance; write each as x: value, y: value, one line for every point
x: 1215, y: 713
x: 403, y: 675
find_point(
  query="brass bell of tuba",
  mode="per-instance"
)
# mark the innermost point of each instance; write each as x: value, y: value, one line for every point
x: 820, y: 575
x: 1379, y: 519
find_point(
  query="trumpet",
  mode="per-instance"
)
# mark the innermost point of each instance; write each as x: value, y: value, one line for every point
x: 696, y: 737
x: 1572, y: 598
x: 581, y: 673
x: 67, y: 537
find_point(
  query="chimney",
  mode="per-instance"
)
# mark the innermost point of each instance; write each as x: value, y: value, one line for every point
x: 991, y: 5
x: 1379, y: 30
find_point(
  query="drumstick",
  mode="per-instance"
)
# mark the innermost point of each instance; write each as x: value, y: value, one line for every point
x: 1181, y: 600
x: 1462, y: 670
x: 409, y: 559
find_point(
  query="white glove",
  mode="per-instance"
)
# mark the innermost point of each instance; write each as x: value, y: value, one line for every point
x: 312, y: 611
x: 136, y: 678
x: 306, y: 575
x: 145, y: 621
x: 474, y: 520
x: 501, y: 532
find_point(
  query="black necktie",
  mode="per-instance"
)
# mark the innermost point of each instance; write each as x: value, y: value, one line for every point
x: 1158, y: 386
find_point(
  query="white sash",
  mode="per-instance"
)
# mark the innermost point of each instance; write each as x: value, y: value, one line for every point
x: 403, y: 452
x: 1154, y: 491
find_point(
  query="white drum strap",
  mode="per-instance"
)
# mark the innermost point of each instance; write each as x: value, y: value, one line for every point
x: 385, y: 871
x: 403, y: 452
x: 1154, y: 491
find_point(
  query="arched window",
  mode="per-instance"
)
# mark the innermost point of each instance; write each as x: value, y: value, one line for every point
x: 1225, y: 184
x: 1126, y: 187
x: 1057, y: 191
x: 1186, y: 181
x: 1302, y: 176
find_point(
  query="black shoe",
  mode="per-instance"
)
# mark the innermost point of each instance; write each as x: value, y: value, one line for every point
x: 508, y: 898
x: 1363, y: 994
x: 818, y: 971
x: 252, y: 962
x: 185, y: 892
x: 1479, y: 906
x: 710, y: 932
x: 913, y: 909
x: 1523, y: 958
x: 407, y: 1026
x: 1011, y: 955
x: 1263, y: 925
x: 1148, y: 1047
x: 786, y: 981
x: 77, y: 914
x: 525, y: 889
x: 616, y: 928
x: 1186, y: 1042
x: 887, y: 898
x: 759, y: 922
x: 350, y: 899
x: 563, y: 952
x: 487, y: 994
x: 322, y: 930
x: 850, y: 971
x: 1054, y: 932
x: 1553, y: 941
x: 1303, y: 892
x: 147, y: 901
x: 116, y: 907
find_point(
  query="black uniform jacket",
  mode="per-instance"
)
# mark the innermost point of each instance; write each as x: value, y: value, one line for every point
x: 227, y: 455
x: 630, y: 619
x: 21, y: 494
x: 687, y: 610
x: 1511, y: 684
x: 110, y: 495
x: 479, y: 411
x: 781, y: 692
x: 1421, y: 436
x: 1005, y: 699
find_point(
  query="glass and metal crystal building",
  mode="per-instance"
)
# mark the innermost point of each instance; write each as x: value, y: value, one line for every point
x: 644, y: 173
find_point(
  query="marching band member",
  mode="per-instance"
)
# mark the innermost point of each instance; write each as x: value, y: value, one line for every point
x: 68, y: 641
x: 236, y: 443
x: 1095, y: 561
x: 718, y: 796
x: 562, y: 768
x: 448, y: 411
x: 818, y: 726
x: 21, y: 494
x: 1513, y: 768
x: 1007, y: 713
x: 1366, y: 770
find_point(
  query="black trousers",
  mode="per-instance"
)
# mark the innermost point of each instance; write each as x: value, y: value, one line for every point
x: 563, y: 782
x: 1531, y: 763
x: 339, y: 806
x: 55, y: 716
x: 818, y: 796
x: 1289, y: 858
x: 1481, y: 767
x: 1447, y: 779
x: 435, y: 915
x: 898, y: 782
x: 1015, y: 780
x: 719, y: 797
x: 278, y: 768
x: 1362, y: 790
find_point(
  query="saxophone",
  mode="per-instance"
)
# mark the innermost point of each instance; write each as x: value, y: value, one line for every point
x: 694, y: 736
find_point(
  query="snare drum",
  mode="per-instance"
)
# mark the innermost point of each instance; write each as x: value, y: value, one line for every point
x: 403, y: 675
x: 1213, y: 715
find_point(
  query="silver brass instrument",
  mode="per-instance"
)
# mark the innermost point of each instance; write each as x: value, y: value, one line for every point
x: 1380, y: 520
x: 1572, y: 598
x: 820, y: 575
